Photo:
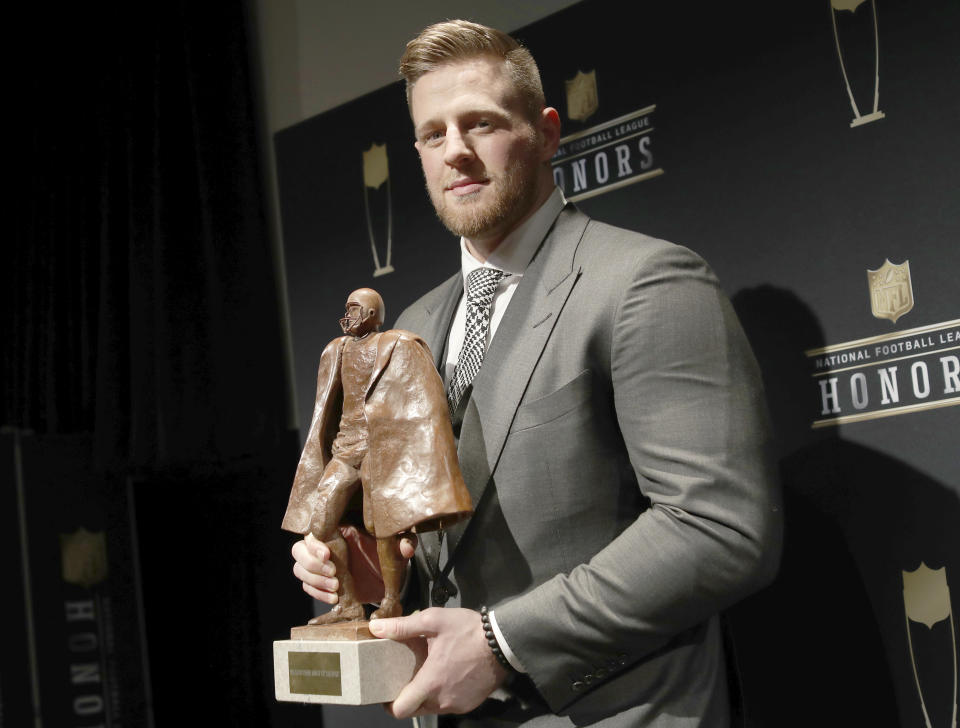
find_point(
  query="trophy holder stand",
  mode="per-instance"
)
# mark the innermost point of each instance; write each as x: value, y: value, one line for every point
x: 340, y: 664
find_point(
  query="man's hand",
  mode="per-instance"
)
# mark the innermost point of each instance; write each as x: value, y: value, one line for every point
x: 459, y: 671
x: 319, y: 576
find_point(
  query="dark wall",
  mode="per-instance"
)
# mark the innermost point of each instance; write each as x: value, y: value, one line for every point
x: 145, y: 452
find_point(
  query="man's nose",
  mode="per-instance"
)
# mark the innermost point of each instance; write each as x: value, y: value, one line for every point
x: 457, y: 148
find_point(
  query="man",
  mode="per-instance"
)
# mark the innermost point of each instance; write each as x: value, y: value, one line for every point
x: 613, y: 439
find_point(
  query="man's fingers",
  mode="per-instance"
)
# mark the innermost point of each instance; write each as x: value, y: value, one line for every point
x: 458, y: 671
x: 316, y: 573
x: 411, y: 699
x: 321, y: 596
x: 306, y: 556
x: 310, y: 548
x: 407, y: 704
x: 408, y: 545
x: 318, y: 581
x: 420, y: 624
x: 317, y: 548
x: 312, y: 543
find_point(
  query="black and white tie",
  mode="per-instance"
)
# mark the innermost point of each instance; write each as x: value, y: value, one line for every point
x: 481, y: 285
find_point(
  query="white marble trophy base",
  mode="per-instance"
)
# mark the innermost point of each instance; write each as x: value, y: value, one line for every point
x: 331, y: 665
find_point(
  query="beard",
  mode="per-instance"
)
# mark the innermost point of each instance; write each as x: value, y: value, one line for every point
x: 471, y: 216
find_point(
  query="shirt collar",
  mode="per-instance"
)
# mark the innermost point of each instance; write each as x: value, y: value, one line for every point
x: 517, y: 249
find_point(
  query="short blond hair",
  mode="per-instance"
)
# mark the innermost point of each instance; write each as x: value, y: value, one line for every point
x: 460, y: 40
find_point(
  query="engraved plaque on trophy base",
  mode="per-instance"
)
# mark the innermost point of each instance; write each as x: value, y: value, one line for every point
x: 340, y: 664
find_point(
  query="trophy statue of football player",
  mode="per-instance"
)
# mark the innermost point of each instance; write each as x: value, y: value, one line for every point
x: 380, y: 443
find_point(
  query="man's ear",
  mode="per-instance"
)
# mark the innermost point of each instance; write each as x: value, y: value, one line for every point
x: 550, y: 131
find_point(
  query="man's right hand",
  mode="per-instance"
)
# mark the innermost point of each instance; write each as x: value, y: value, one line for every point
x: 315, y: 569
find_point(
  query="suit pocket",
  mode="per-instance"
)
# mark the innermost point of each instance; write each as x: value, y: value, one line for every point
x: 572, y: 395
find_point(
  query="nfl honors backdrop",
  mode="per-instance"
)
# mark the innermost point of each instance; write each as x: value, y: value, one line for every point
x: 80, y: 658
x: 808, y: 150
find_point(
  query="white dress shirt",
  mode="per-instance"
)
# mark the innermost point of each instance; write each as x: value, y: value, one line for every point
x: 512, y: 256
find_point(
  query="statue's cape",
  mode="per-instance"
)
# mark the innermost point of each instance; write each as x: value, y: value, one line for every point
x: 411, y: 476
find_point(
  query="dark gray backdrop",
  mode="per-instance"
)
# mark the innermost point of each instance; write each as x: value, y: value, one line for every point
x: 765, y: 178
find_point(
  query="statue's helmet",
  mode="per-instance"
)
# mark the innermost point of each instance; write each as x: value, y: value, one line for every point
x: 365, y: 312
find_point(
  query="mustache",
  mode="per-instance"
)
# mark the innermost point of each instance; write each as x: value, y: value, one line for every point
x: 468, y: 176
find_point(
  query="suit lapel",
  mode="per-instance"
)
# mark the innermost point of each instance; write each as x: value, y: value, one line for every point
x: 513, y: 354
x: 438, y: 316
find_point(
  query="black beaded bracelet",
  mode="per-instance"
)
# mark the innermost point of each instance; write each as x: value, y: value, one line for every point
x: 492, y: 639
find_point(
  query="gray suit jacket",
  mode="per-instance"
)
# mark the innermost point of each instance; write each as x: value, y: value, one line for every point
x: 615, y: 448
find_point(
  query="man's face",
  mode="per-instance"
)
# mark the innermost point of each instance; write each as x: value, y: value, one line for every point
x: 481, y: 154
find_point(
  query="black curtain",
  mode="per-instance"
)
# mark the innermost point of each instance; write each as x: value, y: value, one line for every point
x: 141, y: 294
x: 141, y: 315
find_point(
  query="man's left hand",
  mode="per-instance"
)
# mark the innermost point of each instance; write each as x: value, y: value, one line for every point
x: 459, y: 671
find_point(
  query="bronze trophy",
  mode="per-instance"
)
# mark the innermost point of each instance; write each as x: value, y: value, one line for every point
x: 380, y: 451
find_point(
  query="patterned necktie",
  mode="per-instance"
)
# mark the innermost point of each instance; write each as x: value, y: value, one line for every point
x: 481, y: 285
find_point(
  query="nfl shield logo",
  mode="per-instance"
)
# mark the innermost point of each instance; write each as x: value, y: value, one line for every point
x: 582, y: 99
x: 375, y: 169
x: 891, y: 292
x: 84, y: 557
x: 926, y: 596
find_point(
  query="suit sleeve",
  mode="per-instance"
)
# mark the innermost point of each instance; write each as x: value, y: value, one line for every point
x: 689, y: 404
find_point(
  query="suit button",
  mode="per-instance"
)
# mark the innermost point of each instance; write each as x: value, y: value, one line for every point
x: 621, y: 660
x: 601, y: 673
x: 588, y: 679
x: 578, y: 686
